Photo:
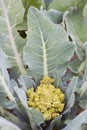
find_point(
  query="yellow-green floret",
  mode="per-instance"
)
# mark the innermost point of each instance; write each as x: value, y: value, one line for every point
x: 47, y: 99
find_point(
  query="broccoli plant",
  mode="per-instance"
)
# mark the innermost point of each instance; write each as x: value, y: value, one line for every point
x: 43, y: 70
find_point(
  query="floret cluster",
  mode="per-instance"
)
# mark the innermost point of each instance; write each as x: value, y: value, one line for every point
x: 46, y: 99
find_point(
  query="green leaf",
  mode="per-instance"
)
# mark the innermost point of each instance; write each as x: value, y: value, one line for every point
x: 84, y: 126
x: 81, y: 69
x: 63, y: 5
x: 35, y: 3
x: 79, y: 52
x: 62, y: 69
x: 7, y: 125
x: 83, y: 103
x: 47, y: 2
x: 47, y: 44
x: 85, y: 11
x: 77, y: 122
x: 76, y: 25
x: 4, y: 63
x: 59, y: 82
x: 8, y: 115
x: 70, y: 93
x: 83, y: 88
x: 26, y: 82
x: 35, y: 116
x: 85, y: 72
x: 21, y: 94
x: 10, y: 41
x: 74, y: 65
x: 54, y: 15
x: 6, y: 98
x: 54, y: 125
x: 83, y: 95
x: 27, y: 4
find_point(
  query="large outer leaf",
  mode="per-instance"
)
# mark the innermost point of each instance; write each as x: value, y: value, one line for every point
x: 76, y: 25
x: 7, y: 125
x: 76, y: 123
x: 6, y: 97
x: 63, y: 5
x: 11, y: 14
x: 47, y: 44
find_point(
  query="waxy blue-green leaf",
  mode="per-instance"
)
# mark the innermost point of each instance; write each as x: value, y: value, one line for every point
x: 76, y: 25
x: 7, y: 125
x: 35, y: 117
x: 83, y: 103
x: 54, y: 15
x: 11, y: 14
x: 85, y: 11
x: 21, y: 94
x: 54, y: 125
x: 4, y: 63
x: 6, y: 98
x: 79, y: 52
x: 85, y: 72
x: 75, y: 65
x: 77, y: 122
x: 83, y: 89
x: 26, y: 82
x: 47, y: 44
x: 47, y: 2
x: 8, y: 115
x: 70, y: 93
x: 64, y: 5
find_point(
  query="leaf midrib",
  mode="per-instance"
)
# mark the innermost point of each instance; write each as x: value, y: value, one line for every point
x: 44, y: 55
x: 45, y: 66
x: 15, y: 51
